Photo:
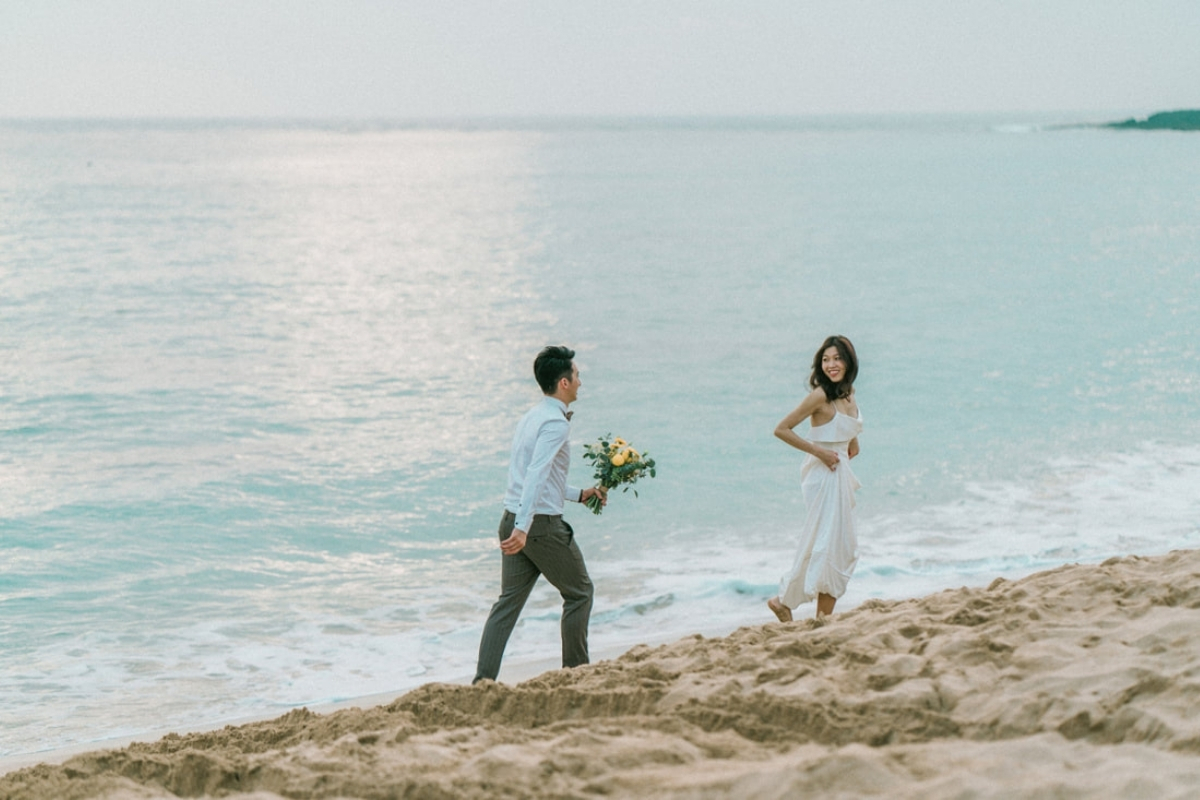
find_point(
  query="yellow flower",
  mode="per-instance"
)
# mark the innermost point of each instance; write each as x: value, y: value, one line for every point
x: 618, y: 460
x: 619, y: 442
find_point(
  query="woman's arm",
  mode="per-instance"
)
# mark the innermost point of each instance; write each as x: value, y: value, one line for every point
x: 784, y: 430
x: 853, y: 449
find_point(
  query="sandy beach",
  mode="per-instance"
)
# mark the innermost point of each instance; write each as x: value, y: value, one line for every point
x: 1083, y: 681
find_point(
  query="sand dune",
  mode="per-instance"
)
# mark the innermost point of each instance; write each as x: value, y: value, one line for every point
x: 1079, y: 682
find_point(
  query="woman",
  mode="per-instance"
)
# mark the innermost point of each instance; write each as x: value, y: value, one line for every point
x: 828, y: 546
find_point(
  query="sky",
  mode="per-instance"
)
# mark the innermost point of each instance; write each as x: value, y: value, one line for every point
x: 382, y: 59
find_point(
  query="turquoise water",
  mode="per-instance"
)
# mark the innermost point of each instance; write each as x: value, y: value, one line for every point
x: 260, y: 380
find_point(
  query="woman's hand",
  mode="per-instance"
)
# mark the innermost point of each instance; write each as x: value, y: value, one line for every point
x: 829, y: 458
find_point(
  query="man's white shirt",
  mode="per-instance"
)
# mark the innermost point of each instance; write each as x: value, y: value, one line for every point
x: 537, y: 474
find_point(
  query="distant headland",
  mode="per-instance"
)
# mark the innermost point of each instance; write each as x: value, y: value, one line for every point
x: 1165, y: 121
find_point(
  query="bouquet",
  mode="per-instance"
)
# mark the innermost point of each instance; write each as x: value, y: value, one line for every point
x: 616, y: 463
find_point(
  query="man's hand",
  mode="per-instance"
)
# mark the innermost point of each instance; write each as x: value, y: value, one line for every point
x: 514, y: 543
x: 595, y: 491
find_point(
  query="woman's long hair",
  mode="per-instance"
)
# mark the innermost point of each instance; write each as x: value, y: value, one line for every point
x: 818, y: 379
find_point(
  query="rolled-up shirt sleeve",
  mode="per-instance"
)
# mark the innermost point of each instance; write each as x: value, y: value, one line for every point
x: 551, y: 438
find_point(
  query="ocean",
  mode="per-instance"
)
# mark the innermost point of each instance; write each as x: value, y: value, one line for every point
x: 260, y: 380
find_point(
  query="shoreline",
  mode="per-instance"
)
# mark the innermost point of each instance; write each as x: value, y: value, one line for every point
x: 510, y: 674
x: 1076, y: 681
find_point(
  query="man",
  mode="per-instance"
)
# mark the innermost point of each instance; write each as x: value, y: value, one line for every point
x: 534, y: 538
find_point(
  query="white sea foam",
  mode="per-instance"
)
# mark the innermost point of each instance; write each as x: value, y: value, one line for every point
x: 1145, y: 501
x: 1067, y: 511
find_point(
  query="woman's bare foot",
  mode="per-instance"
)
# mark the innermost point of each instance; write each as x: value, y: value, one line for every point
x: 783, y: 612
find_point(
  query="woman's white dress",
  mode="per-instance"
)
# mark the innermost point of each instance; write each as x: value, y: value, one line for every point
x: 828, y: 545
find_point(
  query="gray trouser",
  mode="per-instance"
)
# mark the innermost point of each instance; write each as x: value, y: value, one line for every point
x: 549, y: 550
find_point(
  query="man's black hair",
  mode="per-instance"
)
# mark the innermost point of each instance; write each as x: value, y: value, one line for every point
x: 552, y: 365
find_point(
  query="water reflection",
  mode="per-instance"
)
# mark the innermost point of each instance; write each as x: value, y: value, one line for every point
x: 251, y: 375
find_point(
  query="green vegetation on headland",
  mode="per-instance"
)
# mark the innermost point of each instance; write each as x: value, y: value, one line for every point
x: 1165, y: 121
